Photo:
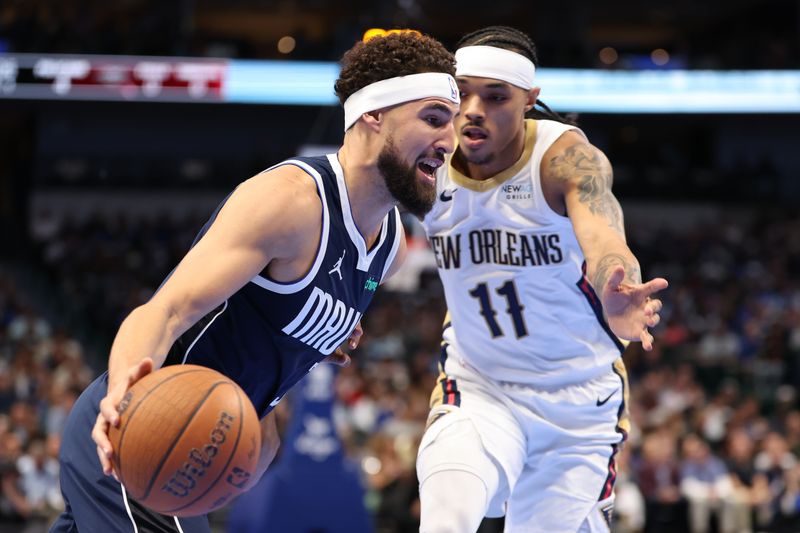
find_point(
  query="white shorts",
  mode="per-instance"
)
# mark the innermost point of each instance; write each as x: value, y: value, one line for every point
x: 553, y: 452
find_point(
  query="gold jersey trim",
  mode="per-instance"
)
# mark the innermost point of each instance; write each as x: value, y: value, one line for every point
x: 624, y: 421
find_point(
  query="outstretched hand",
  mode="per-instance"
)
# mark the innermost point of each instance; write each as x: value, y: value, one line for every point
x: 629, y: 308
x: 109, y: 415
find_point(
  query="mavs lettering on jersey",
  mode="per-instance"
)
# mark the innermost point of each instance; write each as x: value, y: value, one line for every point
x: 498, y: 247
x: 323, y: 323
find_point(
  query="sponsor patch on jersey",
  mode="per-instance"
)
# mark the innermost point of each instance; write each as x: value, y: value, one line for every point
x: 520, y: 191
x: 371, y: 284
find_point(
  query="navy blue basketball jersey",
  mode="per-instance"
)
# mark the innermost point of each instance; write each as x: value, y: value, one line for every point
x: 268, y: 334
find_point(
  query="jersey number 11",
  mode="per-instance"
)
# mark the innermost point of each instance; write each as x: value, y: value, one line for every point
x: 509, y: 291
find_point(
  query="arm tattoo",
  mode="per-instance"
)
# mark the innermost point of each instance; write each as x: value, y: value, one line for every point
x: 593, y: 172
x: 604, y: 266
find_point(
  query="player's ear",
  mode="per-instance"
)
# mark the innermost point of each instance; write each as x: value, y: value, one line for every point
x: 374, y: 119
x: 531, y: 98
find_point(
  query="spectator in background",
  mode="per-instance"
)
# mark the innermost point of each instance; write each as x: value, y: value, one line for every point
x: 705, y: 485
x: 13, y: 505
x: 774, y: 465
x: 714, y: 417
x: 39, y: 483
x: 790, y: 500
x: 659, y: 481
x: 392, y: 483
x: 28, y: 326
x: 24, y: 421
x: 60, y: 402
x: 629, y: 506
x: 719, y: 347
x: 740, y: 450
x: 7, y: 393
x: 791, y: 425
x: 717, y: 353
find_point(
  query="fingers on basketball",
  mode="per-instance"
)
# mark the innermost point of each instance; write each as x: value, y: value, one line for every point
x: 188, y: 442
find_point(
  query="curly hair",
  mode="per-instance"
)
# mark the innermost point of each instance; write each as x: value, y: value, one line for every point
x: 384, y: 57
x: 512, y: 39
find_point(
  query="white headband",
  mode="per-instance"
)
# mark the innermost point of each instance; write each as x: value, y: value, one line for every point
x: 397, y: 90
x: 495, y: 63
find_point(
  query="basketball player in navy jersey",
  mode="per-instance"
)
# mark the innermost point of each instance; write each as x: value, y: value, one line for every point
x: 529, y: 409
x: 283, y: 271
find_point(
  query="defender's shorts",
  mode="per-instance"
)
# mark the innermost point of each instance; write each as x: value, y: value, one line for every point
x: 554, y: 450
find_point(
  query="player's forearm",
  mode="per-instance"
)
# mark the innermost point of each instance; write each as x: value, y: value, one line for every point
x: 602, y: 261
x: 149, y: 331
x: 600, y: 231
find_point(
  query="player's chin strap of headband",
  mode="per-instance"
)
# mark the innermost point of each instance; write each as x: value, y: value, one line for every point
x: 398, y: 90
x: 495, y: 63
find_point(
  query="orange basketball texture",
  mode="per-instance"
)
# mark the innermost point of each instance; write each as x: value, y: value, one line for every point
x: 188, y: 440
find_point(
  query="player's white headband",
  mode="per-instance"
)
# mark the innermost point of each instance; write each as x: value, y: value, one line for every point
x: 495, y: 63
x: 398, y: 90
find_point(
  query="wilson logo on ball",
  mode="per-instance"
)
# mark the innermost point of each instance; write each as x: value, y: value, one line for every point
x: 198, y: 461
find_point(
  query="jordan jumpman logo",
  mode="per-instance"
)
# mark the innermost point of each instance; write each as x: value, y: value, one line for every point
x: 337, y: 267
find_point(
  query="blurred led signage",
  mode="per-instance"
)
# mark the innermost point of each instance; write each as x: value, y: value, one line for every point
x: 127, y: 78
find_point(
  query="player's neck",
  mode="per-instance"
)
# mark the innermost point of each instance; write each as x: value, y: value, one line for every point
x: 365, y: 192
x: 505, y: 157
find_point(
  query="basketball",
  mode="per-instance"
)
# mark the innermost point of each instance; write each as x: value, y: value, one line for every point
x: 188, y: 440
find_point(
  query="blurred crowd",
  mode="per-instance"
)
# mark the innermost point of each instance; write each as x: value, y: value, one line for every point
x: 42, y: 372
x: 715, y: 408
x: 102, y: 267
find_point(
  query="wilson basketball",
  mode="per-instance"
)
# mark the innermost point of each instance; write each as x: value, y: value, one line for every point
x: 188, y: 440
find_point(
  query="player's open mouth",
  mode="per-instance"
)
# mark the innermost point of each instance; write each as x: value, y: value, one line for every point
x: 473, y: 133
x: 428, y: 166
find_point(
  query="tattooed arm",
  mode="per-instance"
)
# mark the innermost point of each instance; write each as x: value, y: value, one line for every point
x: 580, y: 176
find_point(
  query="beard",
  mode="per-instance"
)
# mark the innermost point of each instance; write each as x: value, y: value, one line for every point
x: 416, y: 196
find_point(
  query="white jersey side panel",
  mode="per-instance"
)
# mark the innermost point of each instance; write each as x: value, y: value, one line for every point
x: 519, y: 305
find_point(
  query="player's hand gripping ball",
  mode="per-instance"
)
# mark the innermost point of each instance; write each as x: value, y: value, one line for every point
x: 188, y: 440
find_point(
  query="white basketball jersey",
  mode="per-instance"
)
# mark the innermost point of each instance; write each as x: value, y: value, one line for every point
x: 520, y: 308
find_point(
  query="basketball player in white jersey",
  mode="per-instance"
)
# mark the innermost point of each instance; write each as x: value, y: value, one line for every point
x: 529, y: 410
